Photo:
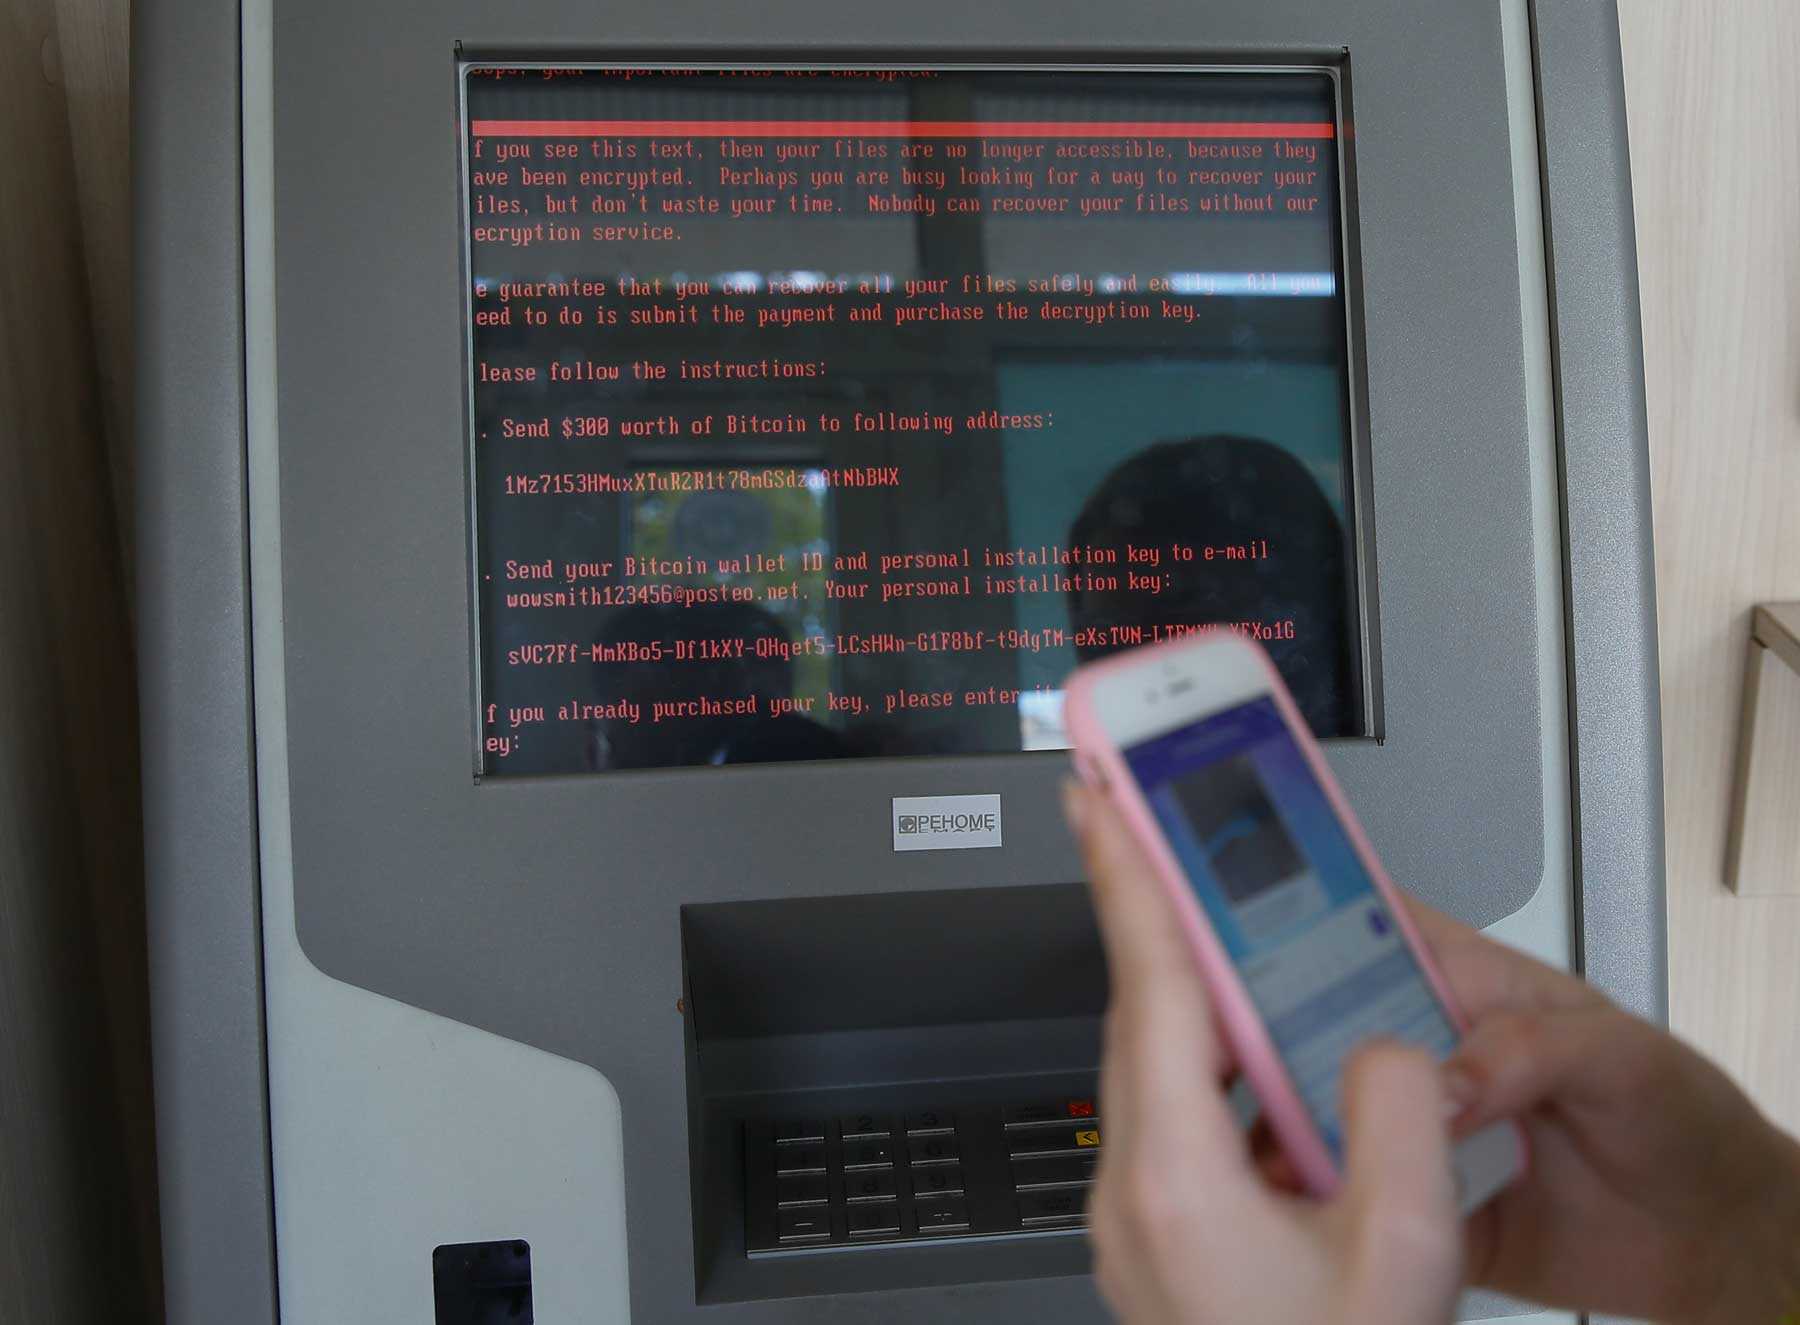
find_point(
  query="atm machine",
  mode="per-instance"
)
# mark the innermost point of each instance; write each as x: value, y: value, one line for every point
x: 621, y: 489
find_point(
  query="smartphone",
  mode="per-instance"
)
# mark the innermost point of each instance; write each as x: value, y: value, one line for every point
x: 1300, y: 936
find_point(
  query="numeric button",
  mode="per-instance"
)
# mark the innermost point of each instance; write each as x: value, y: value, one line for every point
x: 937, y: 1180
x: 870, y: 1185
x: 800, y: 1189
x: 943, y: 1217
x: 875, y: 1154
x: 931, y: 1149
x: 921, y: 1121
x: 865, y: 1124
x: 873, y: 1220
x: 799, y: 1159
x: 804, y: 1226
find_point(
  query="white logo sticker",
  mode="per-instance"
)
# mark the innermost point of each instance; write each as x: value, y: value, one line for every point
x: 946, y: 823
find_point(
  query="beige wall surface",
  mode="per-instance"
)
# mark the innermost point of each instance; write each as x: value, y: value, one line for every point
x: 1713, y: 94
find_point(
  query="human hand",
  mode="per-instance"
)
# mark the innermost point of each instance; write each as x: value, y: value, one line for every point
x: 1186, y: 1226
x: 1655, y: 1188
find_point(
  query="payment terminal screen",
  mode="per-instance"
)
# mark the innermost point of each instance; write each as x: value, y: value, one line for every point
x: 819, y: 414
x: 1275, y: 873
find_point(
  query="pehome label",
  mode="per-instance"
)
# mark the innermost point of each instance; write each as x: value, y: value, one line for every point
x: 946, y: 823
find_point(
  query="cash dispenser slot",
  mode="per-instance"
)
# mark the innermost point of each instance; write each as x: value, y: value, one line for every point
x: 891, y: 1090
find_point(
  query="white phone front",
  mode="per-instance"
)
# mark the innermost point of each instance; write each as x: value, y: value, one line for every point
x: 1304, y: 941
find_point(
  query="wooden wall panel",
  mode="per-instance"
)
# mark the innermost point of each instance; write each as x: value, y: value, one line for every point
x: 1715, y: 143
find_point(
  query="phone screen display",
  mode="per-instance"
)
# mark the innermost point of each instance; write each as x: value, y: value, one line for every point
x: 1313, y: 940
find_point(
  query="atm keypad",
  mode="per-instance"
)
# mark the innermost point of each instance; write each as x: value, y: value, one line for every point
x: 920, y: 1174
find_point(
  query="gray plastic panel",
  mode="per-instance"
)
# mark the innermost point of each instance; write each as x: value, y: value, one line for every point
x: 547, y: 910
x: 194, y: 669
x: 198, y: 786
x: 199, y: 810
x: 1611, y: 586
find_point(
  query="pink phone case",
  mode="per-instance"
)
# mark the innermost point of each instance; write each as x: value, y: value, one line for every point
x: 1245, y: 1033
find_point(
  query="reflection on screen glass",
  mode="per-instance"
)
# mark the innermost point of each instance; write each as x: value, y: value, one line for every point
x: 818, y: 415
x: 1292, y: 903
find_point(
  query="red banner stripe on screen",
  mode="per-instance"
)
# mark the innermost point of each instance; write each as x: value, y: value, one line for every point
x: 891, y: 129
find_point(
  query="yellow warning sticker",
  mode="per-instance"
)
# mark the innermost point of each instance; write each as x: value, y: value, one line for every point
x: 1087, y: 1138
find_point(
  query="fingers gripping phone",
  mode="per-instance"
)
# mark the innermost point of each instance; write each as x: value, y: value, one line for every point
x: 1301, y: 938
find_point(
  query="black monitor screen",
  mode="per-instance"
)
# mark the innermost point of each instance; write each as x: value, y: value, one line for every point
x: 830, y: 413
